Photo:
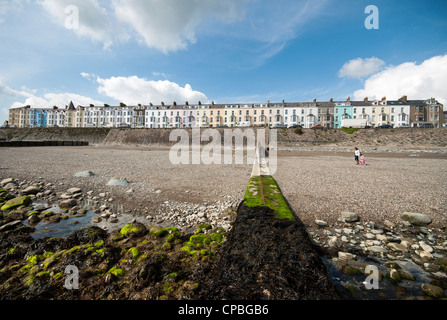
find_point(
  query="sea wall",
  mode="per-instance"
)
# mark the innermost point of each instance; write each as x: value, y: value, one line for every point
x: 90, y: 135
x: 374, y: 138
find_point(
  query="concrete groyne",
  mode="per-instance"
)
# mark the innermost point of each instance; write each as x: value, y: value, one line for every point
x: 268, y: 254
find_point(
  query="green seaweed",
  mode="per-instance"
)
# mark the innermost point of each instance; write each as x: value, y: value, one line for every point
x: 273, y: 197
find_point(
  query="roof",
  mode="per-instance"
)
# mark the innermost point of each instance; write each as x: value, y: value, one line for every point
x: 361, y: 103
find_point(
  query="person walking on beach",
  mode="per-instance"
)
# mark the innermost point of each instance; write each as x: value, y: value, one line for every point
x: 356, y: 155
x: 362, y: 159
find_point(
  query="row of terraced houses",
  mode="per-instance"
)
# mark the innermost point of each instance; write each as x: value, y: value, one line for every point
x: 329, y: 114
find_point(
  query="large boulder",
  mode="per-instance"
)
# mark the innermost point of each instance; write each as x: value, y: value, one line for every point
x: 416, y: 219
x: 16, y: 202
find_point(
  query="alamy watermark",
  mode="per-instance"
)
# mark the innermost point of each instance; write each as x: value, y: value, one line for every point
x: 232, y: 146
x: 71, y: 17
x: 72, y: 280
x: 372, y: 20
x: 372, y: 280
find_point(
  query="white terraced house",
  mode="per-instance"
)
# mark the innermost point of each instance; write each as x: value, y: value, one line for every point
x: 397, y: 113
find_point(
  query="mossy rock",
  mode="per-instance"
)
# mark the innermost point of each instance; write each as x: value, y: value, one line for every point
x: 16, y: 202
x: 351, y: 271
x: 394, y: 276
x: 133, y: 230
x: 116, y: 271
x: 405, y: 275
x: 135, y: 252
x: 33, y: 213
x: 47, y: 214
x: 442, y: 263
x: 432, y: 291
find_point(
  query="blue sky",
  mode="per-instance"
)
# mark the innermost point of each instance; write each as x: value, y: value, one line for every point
x: 141, y: 51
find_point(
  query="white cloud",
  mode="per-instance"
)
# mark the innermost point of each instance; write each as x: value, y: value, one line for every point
x: 5, y: 90
x: 48, y: 100
x: 134, y: 90
x: 6, y: 6
x: 428, y: 79
x: 170, y: 25
x: 94, y: 21
x: 360, y: 68
x: 56, y: 99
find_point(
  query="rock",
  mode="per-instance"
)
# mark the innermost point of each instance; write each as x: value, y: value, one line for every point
x: 442, y: 262
x: 425, y: 255
x: 10, y: 226
x: 394, y: 276
x: 346, y: 256
x: 33, y: 220
x: 389, y: 224
x: 54, y: 219
x: 397, y: 246
x: 73, y: 191
x: 377, y: 249
x: 332, y: 241
x: 84, y: 174
x: 69, y: 203
x: 30, y: 190
x: 117, y: 182
x: 349, y: 217
x: 405, y: 275
x: 96, y: 219
x: 425, y: 247
x: 321, y: 223
x: 16, y: 202
x: 369, y: 235
x: 10, y: 186
x: 6, y: 181
x: 130, y: 190
x: 86, y: 235
x: 432, y: 291
x: 134, y: 229
x: 416, y: 219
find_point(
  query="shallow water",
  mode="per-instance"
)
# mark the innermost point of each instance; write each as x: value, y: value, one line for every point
x: 65, y: 227
x: 386, y: 289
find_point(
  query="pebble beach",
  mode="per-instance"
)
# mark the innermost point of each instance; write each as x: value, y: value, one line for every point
x: 322, y: 188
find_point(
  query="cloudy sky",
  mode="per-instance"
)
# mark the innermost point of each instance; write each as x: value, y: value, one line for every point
x: 142, y: 51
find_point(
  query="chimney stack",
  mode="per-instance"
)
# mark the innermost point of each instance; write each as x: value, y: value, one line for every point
x: 366, y: 99
x: 403, y: 99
